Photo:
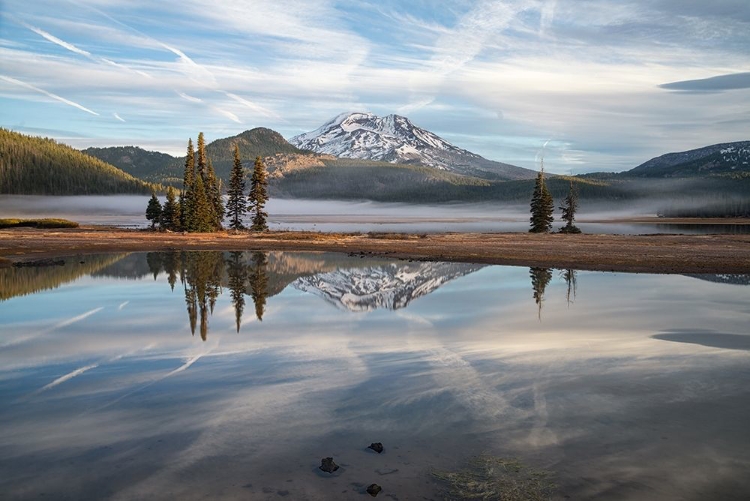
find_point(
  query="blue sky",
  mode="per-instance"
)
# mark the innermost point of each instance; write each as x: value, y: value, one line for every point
x: 606, y: 84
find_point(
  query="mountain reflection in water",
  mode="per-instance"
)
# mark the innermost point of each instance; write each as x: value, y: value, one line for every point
x: 625, y: 386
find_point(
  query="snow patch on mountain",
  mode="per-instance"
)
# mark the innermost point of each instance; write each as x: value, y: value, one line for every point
x: 393, y: 286
x: 391, y: 139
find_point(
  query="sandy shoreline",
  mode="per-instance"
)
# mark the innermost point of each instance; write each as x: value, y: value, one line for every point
x: 631, y: 253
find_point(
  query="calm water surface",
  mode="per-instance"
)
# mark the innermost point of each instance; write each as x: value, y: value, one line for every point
x: 210, y: 375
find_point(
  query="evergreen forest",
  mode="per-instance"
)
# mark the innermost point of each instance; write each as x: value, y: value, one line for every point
x: 39, y: 166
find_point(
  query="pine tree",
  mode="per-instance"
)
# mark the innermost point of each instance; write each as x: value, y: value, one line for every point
x: 170, y: 214
x: 202, y: 217
x: 236, y: 203
x: 213, y: 192
x: 153, y: 211
x: 201, y: 155
x: 569, y: 209
x: 187, y: 200
x: 542, y: 206
x: 258, y: 196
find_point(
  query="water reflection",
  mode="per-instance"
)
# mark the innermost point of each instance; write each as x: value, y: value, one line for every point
x: 540, y: 278
x: 351, y: 284
x: 640, y: 393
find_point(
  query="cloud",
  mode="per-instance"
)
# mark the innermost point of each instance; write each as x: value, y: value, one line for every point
x: 49, y: 94
x: 231, y: 116
x: 718, y: 83
x: 118, y: 117
x: 187, y: 97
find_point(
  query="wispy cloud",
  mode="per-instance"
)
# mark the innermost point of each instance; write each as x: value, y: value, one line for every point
x: 118, y: 117
x: 187, y: 97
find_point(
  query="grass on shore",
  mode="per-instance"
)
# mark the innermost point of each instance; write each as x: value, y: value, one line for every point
x: 37, y: 223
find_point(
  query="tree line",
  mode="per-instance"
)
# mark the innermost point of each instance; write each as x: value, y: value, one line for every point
x: 200, y: 206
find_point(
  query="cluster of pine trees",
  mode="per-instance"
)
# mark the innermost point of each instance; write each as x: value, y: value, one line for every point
x: 200, y: 207
x: 543, y: 205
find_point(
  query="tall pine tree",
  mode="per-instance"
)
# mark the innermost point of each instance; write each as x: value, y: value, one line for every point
x: 236, y: 203
x: 542, y: 206
x: 569, y: 209
x: 258, y: 196
x: 213, y: 192
x: 202, y: 218
x: 187, y: 198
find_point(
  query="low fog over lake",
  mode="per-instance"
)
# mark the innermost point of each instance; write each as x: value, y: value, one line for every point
x: 352, y: 216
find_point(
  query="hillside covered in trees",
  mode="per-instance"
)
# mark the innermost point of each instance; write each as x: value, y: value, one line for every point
x: 39, y: 166
x: 166, y: 169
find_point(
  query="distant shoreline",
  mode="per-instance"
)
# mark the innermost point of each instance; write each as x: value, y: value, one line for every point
x: 662, y: 253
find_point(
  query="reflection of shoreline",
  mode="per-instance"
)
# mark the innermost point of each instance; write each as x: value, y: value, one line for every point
x: 630, y: 253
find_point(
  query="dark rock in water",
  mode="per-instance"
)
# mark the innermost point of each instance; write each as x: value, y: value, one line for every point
x: 377, y: 447
x: 373, y: 489
x: 327, y: 465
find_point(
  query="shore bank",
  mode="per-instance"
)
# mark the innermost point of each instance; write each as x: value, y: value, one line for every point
x: 630, y: 253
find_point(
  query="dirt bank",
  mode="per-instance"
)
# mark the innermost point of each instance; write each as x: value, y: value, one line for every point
x: 634, y: 253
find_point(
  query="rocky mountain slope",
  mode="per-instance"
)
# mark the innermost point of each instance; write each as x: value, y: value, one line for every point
x: 395, y: 139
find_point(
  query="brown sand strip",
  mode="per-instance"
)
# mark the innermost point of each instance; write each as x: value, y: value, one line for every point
x: 633, y: 253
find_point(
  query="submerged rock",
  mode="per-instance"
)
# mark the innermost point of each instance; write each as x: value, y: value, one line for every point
x: 327, y: 465
x: 377, y: 447
x: 373, y: 489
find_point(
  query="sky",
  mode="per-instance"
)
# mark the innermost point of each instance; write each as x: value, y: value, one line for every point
x: 589, y: 85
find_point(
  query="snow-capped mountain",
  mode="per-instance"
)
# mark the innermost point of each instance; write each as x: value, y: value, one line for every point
x: 391, y: 286
x: 395, y: 139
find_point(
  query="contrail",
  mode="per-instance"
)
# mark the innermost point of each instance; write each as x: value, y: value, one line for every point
x: 66, y: 377
x: 58, y: 325
x: 69, y: 46
x: 56, y: 40
x: 179, y: 369
x: 49, y: 94
x: 251, y: 105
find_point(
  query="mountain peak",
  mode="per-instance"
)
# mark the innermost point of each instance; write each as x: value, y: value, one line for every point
x: 394, y: 138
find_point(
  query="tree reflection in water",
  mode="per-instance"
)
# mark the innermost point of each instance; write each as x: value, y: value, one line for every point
x: 202, y: 274
x: 541, y: 277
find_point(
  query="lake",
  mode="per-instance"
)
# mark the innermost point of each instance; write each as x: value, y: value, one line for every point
x: 208, y: 375
x: 355, y: 216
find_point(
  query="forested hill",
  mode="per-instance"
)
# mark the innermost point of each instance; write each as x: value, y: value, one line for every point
x: 140, y: 163
x: 39, y: 166
x: 161, y: 168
